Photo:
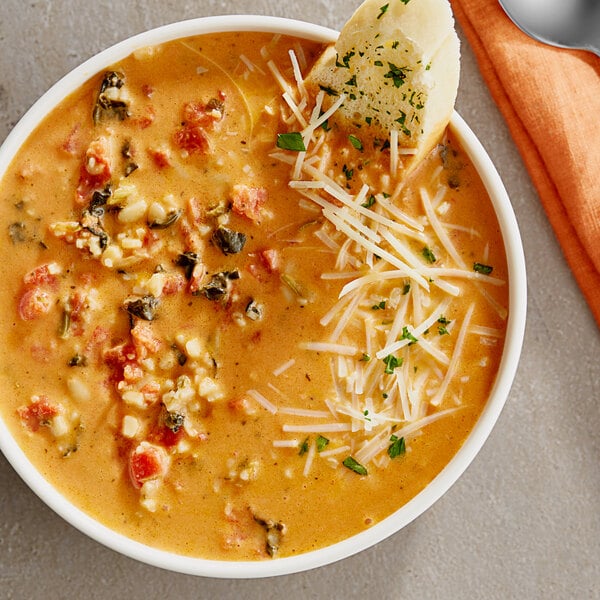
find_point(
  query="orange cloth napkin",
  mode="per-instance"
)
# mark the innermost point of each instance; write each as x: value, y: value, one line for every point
x: 550, y: 98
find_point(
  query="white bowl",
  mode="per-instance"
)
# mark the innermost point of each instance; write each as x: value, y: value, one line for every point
x: 408, y: 512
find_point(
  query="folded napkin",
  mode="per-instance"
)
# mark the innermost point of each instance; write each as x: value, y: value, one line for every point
x: 550, y: 99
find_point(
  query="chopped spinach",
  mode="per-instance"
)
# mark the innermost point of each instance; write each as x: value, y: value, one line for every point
x: 229, y: 241
x: 188, y: 260
x: 108, y: 105
x: 144, y: 307
x: 172, y: 217
x: 217, y: 289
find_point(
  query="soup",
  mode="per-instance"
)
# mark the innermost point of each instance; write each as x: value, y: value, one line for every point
x: 232, y: 329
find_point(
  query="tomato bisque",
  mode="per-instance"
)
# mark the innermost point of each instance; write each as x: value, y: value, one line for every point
x: 232, y: 329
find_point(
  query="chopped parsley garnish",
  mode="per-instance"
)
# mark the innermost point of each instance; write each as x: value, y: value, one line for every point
x: 391, y: 363
x: 322, y: 443
x: 428, y: 255
x: 396, y: 74
x: 397, y: 447
x: 349, y: 173
x: 442, y: 330
x: 353, y: 465
x: 406, y: 289
x: 329, y: 91
x: 365, y: 357
x: 303, y: 447
x: 355, y: 142
x: 345, y: 60
x: 352, y: 81
x: 379, y: 306
x: 370, y: 201
x: 407, y: 335
x: 383, y: 10
x: 378, y: 63
x: 405, y: 1
x: 291, y: 141
x: 483, y: 269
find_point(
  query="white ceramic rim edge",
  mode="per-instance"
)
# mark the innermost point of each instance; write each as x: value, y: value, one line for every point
x: 419, y: 504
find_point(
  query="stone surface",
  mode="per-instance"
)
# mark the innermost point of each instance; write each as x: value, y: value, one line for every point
x: 523, y: 521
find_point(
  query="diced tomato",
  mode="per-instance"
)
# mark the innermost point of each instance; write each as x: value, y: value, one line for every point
x: 41, y: 286
x: 269, y: 263
x: 270, y: 259
x: 167, y: 437
x: 146, y: 120
x: 132, y: 372
x: 87, y: 279
x: 34, y: 303
x: 147, y: 462
x: 77, y: 303
x: 152, y: 241
x: 144, y: 339
x: 192, y: 139
x: 38, y: 413
x: 95, y: 170
x: 203, y: 115
x: 41, y: 353
x: 159, y: 157
x: 72, y: 142
x: 99, y: 337
x: 241, y: 407
x: 237, y: 530
x: 174, y: 283
x: 119, y: 358
x: 151, y: 392
x: 197, y: 119
x: 194, y: 211
x: 41, y: 276
x: 248, y: 201
x: 148, y: 90
x: 191, y: 237
x: 119, y: 355
x: 196, y: 278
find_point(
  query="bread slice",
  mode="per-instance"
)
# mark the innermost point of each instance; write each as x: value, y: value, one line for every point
x: 398, y: 65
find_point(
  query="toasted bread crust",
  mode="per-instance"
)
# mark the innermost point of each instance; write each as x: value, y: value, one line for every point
x: 398, y: 66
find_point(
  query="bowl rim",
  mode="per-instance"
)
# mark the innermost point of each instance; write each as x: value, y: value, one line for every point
x: 454, y: 468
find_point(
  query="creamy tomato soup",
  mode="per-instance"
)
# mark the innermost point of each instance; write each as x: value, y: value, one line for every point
x: 231, y: 329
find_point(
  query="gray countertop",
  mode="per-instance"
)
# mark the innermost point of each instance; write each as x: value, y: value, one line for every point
x: 523, y: 521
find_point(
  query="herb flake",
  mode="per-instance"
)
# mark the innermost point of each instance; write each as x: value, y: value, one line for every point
x: 291, y: 141
x: 303, y: 447
x: 481, y: 268
x: 382, y: 10
x: 397, y: 447
x: 407, y: 335
x: 354, y: 465
x: 356, y: 143
x: 428, y: 255
x: 391, y: 362
x: 322, y: 443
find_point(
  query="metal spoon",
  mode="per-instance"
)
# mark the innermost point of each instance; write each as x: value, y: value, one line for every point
x: 562, y: 23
